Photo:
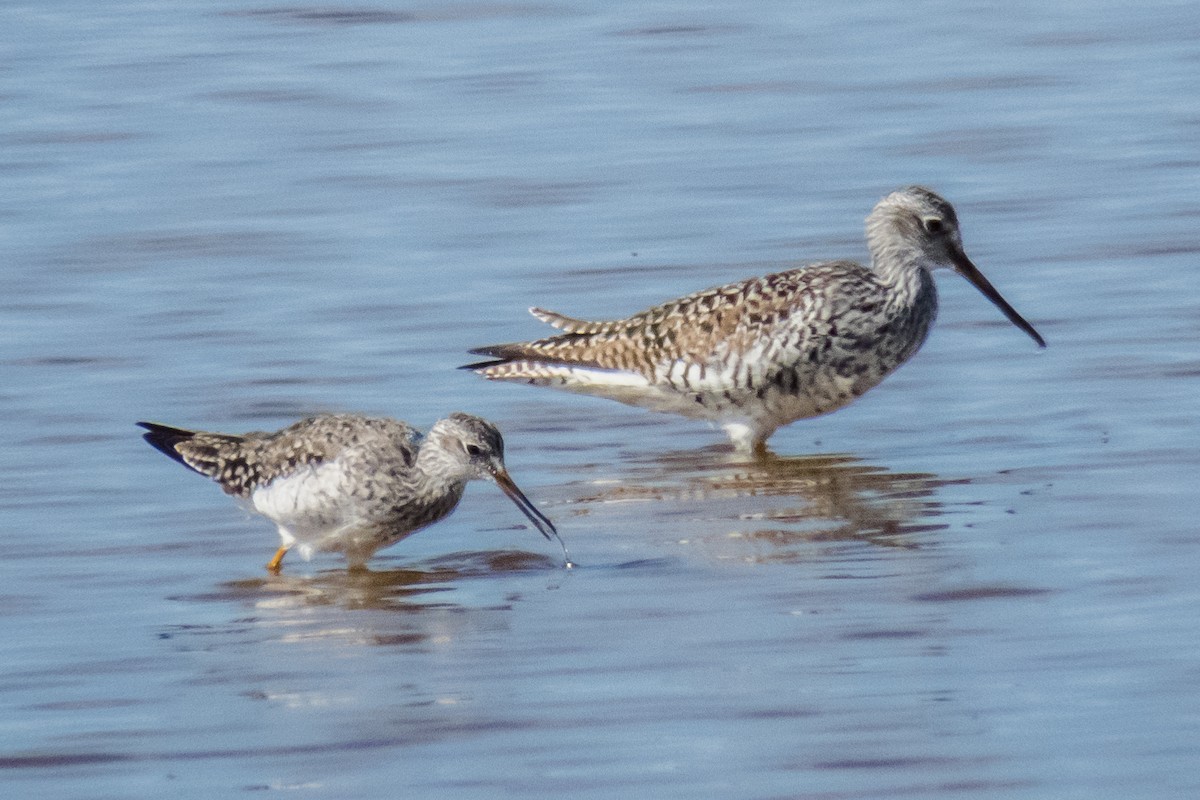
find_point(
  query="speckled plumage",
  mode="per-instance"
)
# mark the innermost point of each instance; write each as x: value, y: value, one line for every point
x: 761, y: 353
x: 349, y: 483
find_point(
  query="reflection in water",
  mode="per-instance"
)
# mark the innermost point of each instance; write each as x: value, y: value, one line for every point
x: 781, y: 505
x: 421, y: 605
x: 396, y: 589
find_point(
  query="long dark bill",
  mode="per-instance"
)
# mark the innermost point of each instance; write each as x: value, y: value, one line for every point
x: 969, y: 271
x: 539, y: 520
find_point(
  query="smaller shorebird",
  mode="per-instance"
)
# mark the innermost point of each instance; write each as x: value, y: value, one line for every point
x: 759, y: 354
x: 347, y: 483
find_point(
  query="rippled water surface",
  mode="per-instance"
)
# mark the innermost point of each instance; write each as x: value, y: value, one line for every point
x: 977, y: 581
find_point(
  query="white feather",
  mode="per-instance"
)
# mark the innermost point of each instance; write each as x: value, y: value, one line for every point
x: 307, y: 503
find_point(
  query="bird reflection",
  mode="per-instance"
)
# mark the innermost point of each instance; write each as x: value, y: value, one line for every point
x: 396, y: 589
x: 426, y: 606
x: 778, y: 506
x: 414, y: 588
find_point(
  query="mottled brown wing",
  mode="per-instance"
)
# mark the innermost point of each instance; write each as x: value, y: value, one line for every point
x: 696, y: 328
x: 240, y: 464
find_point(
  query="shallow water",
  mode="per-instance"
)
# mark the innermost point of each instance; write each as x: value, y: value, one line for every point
x: 977, y: 581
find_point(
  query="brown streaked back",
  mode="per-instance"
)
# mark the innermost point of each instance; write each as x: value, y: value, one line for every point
x: 696, y: 328
x: 242, y: 463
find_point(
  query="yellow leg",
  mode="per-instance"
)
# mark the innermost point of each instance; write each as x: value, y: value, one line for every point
x: 273, y: 564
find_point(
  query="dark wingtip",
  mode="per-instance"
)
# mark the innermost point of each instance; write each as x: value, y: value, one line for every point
x: 163, y: 438
x: 495, y: 362
x: 493, y: 350
x: 497, y: 354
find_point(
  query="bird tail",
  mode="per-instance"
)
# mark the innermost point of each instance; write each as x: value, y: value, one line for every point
x: 574, y: 347
x: 163, y: 438
x: 569, y: 324
x: 199, y: 452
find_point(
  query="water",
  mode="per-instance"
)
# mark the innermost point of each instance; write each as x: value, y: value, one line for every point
x: 978, y: 581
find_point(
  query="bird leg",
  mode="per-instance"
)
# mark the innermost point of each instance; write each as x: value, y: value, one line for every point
x: 274, y: 564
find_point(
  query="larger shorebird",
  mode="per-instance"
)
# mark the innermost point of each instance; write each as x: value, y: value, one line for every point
x: 348, y: 483
x: 759, y: 354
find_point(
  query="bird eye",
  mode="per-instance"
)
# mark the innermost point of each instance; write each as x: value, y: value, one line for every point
x: 474, y: 450
x: 933, y: 225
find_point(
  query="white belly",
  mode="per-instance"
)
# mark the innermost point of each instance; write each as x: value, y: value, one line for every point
x: 309, y: 504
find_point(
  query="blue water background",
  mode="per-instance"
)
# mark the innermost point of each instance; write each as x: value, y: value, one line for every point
x: 976, y: 582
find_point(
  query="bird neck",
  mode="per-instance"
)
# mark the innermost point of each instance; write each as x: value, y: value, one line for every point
x: 904, y: 269
x: 892, y: 259
x: 437, y: 472
x: 912, y: 305
x: 905, y: 273
x: 896, y: 258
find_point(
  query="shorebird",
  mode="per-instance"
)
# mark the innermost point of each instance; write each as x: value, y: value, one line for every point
x: 348, y: 483
x: 756, y: 355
